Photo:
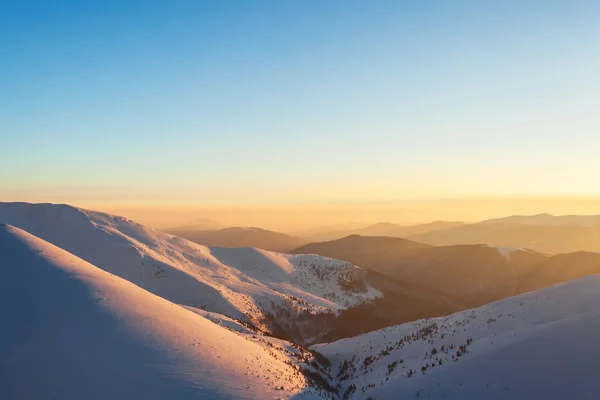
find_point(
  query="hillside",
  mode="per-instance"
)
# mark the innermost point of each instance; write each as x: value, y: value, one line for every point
x: 241, y: 237
x: 74, y: 331
x: 288, y: 295
x: 541, y: 345
x: 472, y: 274
x: 560, y: 268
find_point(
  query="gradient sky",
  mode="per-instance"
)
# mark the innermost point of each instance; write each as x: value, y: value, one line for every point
x: 278, y: 102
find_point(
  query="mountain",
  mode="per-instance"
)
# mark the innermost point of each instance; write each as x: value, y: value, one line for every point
x: 401, y: 301
x: 366, y: 251
x: 543, y: 233
x: 465, y: 275
x: 560, y: 268
x: 73, y: 331
x: 540, y: 345
x: 241, y: 237
x: 420, y: 281
x: 288, y: 295
x: 471, y: 274
x: 382, y: 229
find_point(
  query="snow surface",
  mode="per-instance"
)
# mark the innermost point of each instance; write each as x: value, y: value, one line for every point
x: 541, y: 344
x: 73, y: 331
x: 248, y: 284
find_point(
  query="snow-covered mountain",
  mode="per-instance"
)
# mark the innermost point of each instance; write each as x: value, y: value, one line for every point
x: 540, y: 345
x: 73, y: 331
x: 272, y: 291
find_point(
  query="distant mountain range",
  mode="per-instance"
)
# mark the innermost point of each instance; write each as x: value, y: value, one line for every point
x: 548, y: 220
x: 381, y: 229
x: 543, y: 233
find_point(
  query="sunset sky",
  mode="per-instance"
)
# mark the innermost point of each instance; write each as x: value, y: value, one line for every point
x: 216, y: 104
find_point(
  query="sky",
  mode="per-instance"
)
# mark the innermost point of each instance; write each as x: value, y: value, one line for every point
x: 237, y: 104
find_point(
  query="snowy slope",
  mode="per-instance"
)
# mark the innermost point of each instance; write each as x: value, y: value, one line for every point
x: 73, y: 331
x: 253, y: 285
x: 542, y: 344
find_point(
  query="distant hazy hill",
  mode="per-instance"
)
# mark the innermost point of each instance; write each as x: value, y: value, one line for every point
x: 547, y: 219
x: 382, y: 229
x: 389, y: 229
x: 241, y: 237
x: 543, y: 233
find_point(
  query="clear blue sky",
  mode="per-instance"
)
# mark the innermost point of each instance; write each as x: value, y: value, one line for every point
x: 298, y: 100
